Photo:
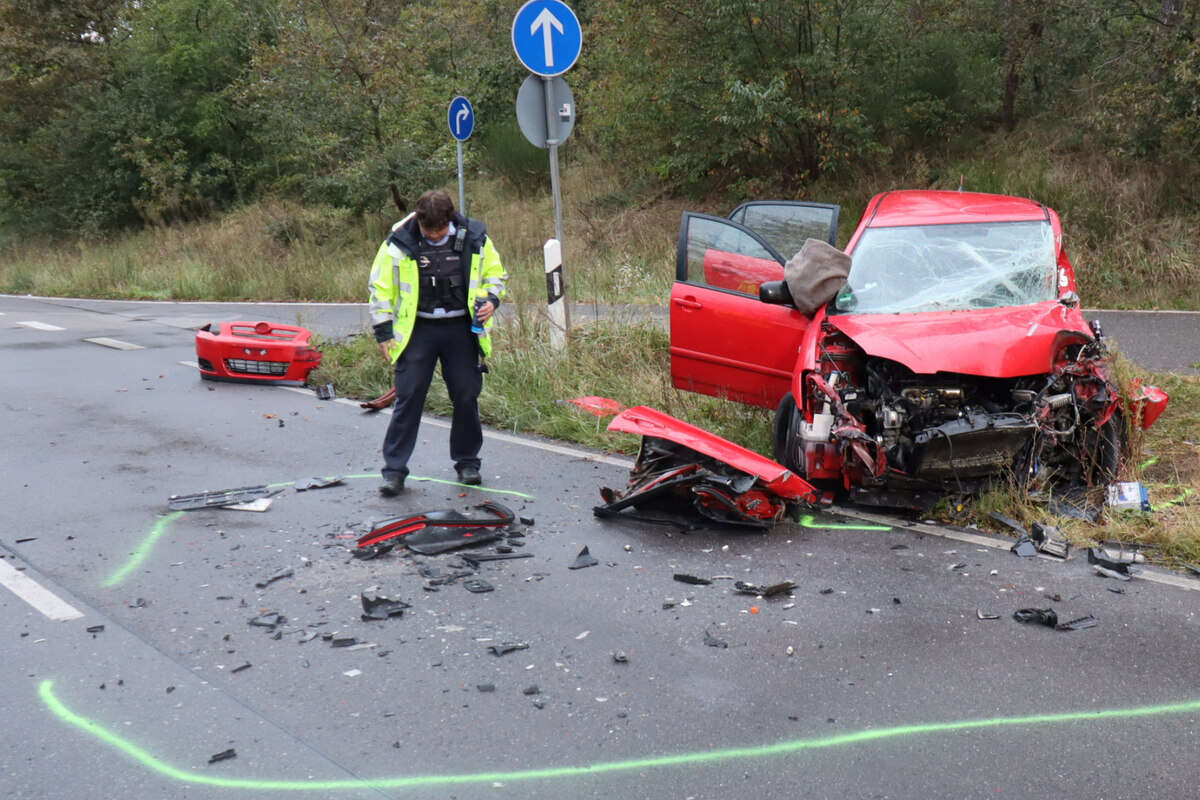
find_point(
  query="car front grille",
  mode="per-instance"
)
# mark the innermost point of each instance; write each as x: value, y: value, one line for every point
x: 250, y: 367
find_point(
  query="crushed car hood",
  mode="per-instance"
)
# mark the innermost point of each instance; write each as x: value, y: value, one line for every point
x: 992, y: 342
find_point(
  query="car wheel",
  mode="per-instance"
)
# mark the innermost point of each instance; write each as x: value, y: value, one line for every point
x: 787, y: 433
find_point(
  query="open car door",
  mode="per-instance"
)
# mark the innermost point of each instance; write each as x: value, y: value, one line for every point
x: 724, y: 340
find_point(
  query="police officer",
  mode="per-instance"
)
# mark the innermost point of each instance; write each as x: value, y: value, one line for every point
x: 435, y: 283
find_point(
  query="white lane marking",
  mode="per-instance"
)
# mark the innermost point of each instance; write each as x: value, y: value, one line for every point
x: 497, y: 435
x: 40, y: 326
x: 1155, y: 576
x: 35, y: 594
x: 115, y: 344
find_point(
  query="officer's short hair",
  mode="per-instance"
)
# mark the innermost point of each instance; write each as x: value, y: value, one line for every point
x: 434, y: 209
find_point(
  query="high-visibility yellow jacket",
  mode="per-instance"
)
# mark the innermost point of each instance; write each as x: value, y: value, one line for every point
x: 394, y: 279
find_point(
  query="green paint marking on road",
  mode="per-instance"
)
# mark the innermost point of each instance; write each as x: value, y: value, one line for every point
x: 143, y: 550
x: 150, y: 762
x: 147, y: 544
x: 808, y: 522
x: 472, y: 488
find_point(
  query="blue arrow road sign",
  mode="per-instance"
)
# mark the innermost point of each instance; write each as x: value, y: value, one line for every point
x: 461, y: 117
x: 547, y: 37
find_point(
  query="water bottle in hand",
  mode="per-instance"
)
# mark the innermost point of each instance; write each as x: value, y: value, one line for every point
x: 476, y: 325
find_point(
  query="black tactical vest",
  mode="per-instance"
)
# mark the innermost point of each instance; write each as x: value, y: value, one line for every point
x: 442, y: 277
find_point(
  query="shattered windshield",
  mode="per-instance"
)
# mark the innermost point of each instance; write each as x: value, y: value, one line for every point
x: 950, y: 267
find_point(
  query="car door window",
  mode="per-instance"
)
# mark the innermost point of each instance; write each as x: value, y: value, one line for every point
x: 715, y: 252
x: 785, y: 225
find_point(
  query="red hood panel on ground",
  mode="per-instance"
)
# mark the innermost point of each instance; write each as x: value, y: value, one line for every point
x: 991, y: 342
x: 645, y: 421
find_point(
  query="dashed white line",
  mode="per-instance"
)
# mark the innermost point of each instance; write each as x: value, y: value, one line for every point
x: 115, y: 344
x: 35, y: 594
x: 40, y: 326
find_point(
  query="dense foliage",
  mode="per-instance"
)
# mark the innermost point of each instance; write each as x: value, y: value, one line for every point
x: 116, y: 113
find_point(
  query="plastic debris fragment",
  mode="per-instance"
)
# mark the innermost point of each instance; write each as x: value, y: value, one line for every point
x: 378, y: 607
x: 1025, y: 548
x: 218, y: 498
x: 620, y: 657
x: 283, y: 573
x: 692, y: 579
x: 713, y: 641
x: 1040, y: 616
x: 316, y: 483
x: 224, y: 755
x: 1078, y: 624
x: 269, y: 620
x: 584, y: 559
x: 475, y: 559
x: 507, y: 647
x: 245, y: 665
x: 477, y: 586
x: 765, y: 591
x: 1049, y: 540
x: 982, y: 615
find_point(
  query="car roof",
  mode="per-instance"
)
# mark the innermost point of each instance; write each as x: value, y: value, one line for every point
x: 931, y: 207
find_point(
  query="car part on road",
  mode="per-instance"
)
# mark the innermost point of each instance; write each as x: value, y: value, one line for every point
x: 477, y: 586
x: 784, y: 587
x: 979, y: 613
x: 501, y: 517
x: 505, y: 648
x: 435, y: 540
x: 224, y: 755
x: 1040, y: 616
x: 692, y: 579
x: 1050, y: 541
x: 379, y: 403
x: 280, y: 575
x: 316, y: 483
x: 1078, y: 624
x: 1025, y: 547
x: 713, y: 641
x: 378, y: 607
x: 269, y: 619
x: 255, y: 352
x: 325, y: 391
x: 584, y: 559
x: 475, y: 559
x: 681, y: 464
x: 219, y: 498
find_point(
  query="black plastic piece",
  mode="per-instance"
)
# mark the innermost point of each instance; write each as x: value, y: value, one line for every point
x: 283, y: 573
x: 692, y: 579
x: 224, y: 755
x: 475, y: 559
x: 1040, y: 616
x: 713, y: 641
x: 1078, y: 624
x: 1025, y: 548
x: 505, y: 648
x: 218, y: 499
x: 432, y: 541
x: 584, y: 559
x: 478, y: 586
x: 376, y: 607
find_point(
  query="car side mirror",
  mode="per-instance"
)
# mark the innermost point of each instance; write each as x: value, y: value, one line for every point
x: 775, y: 292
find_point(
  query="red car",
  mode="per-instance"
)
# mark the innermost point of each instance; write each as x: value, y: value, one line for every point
x: 954, y: 351
x: 255, y: 352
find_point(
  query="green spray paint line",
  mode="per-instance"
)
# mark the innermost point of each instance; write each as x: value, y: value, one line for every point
x: 142, y: 552
x: 807, y: 522
x: 150, y: 762
x: 143, y: 549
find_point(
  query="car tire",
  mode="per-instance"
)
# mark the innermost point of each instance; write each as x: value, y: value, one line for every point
x: 787, y: 433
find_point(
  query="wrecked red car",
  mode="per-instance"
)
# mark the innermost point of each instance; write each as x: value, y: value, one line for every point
x: 255, y: 351
x: 945, y: 347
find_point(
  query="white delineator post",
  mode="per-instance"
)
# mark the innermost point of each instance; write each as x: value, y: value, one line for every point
x: 556, y: 290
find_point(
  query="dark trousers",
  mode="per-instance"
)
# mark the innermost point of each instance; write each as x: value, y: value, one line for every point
x: 451, y: 342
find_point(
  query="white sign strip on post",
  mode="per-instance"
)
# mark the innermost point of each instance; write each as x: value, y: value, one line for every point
x: 556, y: 307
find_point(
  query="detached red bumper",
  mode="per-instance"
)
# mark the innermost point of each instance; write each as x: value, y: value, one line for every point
x: 255, y: 352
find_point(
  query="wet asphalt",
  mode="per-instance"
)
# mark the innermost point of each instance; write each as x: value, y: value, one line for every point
x: 875, y: 677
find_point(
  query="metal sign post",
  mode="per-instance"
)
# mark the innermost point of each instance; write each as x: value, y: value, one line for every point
x: 552, y: 145
x: 547, y: 38
x: 461, y: 118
